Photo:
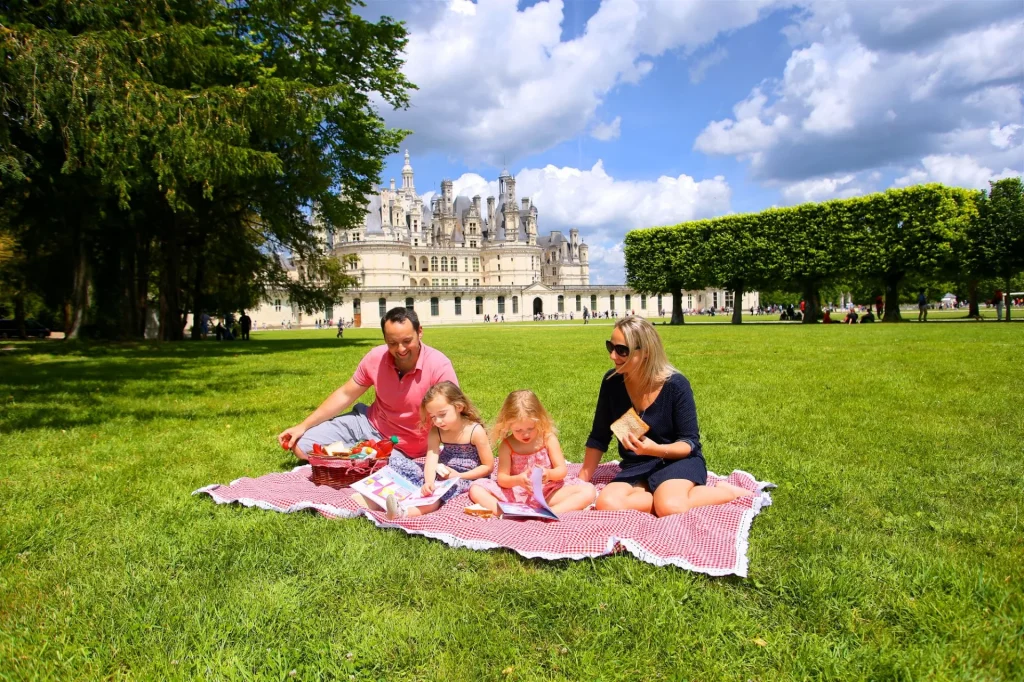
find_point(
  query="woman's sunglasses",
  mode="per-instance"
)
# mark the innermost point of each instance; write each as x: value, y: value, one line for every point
x: 617, y: 348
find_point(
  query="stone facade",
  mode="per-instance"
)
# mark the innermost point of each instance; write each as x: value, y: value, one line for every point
x: 456, y: 259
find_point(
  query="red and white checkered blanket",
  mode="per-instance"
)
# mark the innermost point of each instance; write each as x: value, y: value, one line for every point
x: 710, y: 540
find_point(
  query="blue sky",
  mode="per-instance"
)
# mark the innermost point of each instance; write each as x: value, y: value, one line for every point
x: 619, y: 114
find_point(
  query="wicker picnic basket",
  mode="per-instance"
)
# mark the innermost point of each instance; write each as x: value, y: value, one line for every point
x: 341, y: 472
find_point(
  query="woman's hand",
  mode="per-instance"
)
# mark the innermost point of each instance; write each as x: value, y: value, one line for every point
x: 641, y: 446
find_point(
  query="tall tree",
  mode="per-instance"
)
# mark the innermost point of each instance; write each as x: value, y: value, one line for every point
x: 196, y: 121
x: 742, y: 256
x: 912, y: 231
x: 666, y: 260
x: 997, y: 236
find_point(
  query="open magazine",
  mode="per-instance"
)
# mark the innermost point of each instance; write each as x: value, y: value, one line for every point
x: 538, y: 510
x: 378, y: 485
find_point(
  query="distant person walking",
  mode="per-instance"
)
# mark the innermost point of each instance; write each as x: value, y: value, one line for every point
x: 879, y: 305
x: 997, y: 299
x: 341, y: 328
x: 922, y: 306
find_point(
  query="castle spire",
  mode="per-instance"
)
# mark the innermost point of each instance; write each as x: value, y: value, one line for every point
x: 407, y: 183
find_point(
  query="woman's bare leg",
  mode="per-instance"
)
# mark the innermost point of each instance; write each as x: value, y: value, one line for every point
x: 616, y: 496
x: 572, y: 498
x: 679, y: 496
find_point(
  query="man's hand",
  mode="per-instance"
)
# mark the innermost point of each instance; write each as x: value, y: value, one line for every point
x: 289, y: 438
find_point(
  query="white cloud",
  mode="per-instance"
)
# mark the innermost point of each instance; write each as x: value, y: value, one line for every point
x: 700, y: 69
x: 496, y: 81
x: 604, y: 208
x: 883, y: 85
x: 607, y: 131
x: 823, y: 189
x: 955, y: 170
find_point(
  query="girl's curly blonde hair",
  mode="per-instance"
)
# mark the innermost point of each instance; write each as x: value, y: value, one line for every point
x: 519, y: 406
x: 454, y: 395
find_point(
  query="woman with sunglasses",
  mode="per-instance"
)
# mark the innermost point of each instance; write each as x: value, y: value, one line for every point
x: 663, y: 472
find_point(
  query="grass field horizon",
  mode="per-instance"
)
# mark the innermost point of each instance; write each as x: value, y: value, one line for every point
x: 892, y: 550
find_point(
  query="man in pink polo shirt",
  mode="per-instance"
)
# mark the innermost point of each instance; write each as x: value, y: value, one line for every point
x: 401, y: 371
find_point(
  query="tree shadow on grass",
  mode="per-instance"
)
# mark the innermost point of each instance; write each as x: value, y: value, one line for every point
x: 177, y: 349
x: 65, y: 392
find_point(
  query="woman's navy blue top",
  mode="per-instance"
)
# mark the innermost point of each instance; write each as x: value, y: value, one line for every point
x: 672, y: 418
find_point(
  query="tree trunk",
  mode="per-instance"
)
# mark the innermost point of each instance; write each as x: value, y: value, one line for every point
x: 79, y: 292
x: 1006, y: 299
x: 170, y: 289
x: 737, y: 305
x: 197, y: 293
x: 19, y: 312
x: 812, y: 307
x: 143, y: 247
x: 972, y: 298
x: 677, y: 307
x: 892, y: 301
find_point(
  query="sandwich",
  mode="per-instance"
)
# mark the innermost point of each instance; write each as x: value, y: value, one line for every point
x: 629, y: 423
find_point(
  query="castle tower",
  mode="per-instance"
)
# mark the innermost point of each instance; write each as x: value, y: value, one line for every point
x: 511, y: 214
x: 446, y: 194
x: 491, y: 217
x: 408, y: 189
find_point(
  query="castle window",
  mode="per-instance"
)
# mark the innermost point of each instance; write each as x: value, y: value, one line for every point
x: 423, y: 264
x: 579, y: 303
x: 643, y: 301
x: 357, y: 308
x: 455, y: 264
x: 561, y: 303
x: 729, y: 299
x: 476, y: 282
x: 501, y: 305
x: 660, y: 306
x: 458, y: 305
x: 412, y: 264
x: 554, y: 272
x: 472, y: 244
x: 515, y: 305
x: 444, y: 282
x: 408, y: 303
x: 433, y: 282
x: 434, y: 306
x: 714, y: 299
x: 444, y: 263
x: 433, y: 263
x: 412, y: 281
x: 593, y: 303
x: 415, y: 242
x: 689, y: 300
x: 277, y: 305
x: 476, y: 265
x: 382, y: 306
x: 611, y: 301
x: 479, y: 305
x: 465, y: 265
x: 627, y: 303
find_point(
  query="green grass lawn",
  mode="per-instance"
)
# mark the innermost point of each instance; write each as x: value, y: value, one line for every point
x: 893, y: 550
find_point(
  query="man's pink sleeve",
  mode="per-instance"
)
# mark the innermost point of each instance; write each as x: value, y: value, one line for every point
x: 362, y: 376
x: 447, y: 373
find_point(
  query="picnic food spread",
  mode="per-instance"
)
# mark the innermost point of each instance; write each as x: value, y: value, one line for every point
x: 339, y: 465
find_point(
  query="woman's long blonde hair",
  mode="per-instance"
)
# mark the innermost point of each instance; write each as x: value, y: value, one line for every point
x: 519, y: 406
x: 654, y: 369
x: 454, y: 395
